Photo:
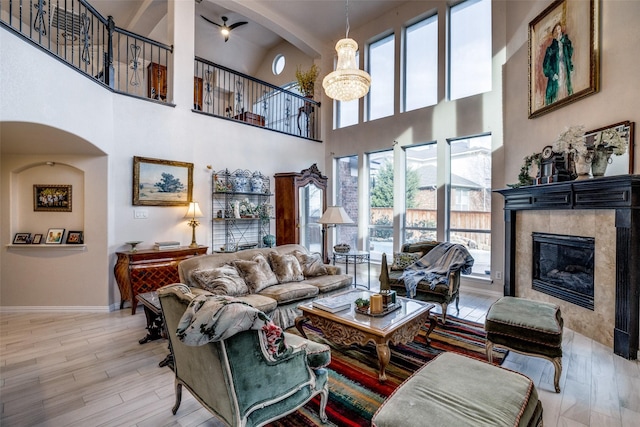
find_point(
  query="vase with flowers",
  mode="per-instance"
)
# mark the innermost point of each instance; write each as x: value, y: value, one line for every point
x: 306, y: 80
x: 606, y: 143
x: 578, y: 154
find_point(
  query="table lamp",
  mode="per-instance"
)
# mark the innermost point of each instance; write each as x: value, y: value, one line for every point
x: 192, y: 213
x: 331, y: 217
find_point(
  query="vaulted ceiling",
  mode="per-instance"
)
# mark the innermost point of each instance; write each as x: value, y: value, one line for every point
x: 306, y: 24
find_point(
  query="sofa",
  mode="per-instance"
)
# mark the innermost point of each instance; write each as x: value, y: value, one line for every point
x: 273, y: 280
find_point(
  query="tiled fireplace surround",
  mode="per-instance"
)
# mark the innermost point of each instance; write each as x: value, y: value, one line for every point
x: 607, y: 209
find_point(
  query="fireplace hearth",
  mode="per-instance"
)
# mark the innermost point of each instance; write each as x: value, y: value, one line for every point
x: 563, y: 267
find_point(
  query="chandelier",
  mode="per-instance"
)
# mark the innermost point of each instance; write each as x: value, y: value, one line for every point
x: 347, y: 82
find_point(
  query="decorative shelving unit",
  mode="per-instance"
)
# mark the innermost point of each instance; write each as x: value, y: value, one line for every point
x: 240, y: 209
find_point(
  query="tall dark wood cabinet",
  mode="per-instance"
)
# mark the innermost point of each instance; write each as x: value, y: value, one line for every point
x: 301, y: 200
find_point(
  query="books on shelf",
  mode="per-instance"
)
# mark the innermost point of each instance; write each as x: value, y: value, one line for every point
x: 335, y: 303
x: 167, y: 245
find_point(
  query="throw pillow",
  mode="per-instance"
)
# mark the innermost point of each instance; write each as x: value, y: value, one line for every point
x: 286, y: 267
x: 256, y: 273
x: 402, y: 260
x: 312, y: 265
x: 223, y: 280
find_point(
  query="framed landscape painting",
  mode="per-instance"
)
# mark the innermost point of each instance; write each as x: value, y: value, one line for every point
x: 564, y: 55
x: 161, y: 182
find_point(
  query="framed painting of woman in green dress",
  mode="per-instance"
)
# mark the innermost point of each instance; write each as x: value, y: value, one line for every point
x: 563, y: 55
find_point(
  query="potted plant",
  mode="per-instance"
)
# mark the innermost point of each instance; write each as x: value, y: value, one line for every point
x: 362, y: 304
x: 307, y: 80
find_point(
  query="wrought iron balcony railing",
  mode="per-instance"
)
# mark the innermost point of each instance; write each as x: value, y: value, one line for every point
x: 222, y: 92
x: 75, y: 33
x: 127, y: 63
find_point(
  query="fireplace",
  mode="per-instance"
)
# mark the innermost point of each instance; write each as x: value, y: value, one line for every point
x: 563, y: 267
x: 607, y: 208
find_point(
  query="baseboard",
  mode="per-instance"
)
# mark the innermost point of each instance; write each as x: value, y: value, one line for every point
x: 66, y: 309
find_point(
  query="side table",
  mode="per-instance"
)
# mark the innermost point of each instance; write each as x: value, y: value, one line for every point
x: 358, y: 257
x: 142, y: 271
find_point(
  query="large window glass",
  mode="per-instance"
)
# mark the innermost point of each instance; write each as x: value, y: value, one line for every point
x: 348, y: 111
x: 421, y: 64
x: 380, y: 204
x: 470, y: 199
x: 347, y: 197
x: 421, y: 193
x: 470, y: 48
x: 381, y: 69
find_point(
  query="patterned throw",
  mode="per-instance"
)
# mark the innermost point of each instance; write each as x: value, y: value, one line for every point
x: 436, y: 265
x: 210, y: 318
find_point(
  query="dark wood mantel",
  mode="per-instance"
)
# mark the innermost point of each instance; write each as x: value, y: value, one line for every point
x: 620, y: 193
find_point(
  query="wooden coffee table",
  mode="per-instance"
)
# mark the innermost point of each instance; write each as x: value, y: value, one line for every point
x: 350, y: 327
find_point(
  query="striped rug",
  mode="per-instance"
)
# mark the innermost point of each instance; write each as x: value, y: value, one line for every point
x: 354, y: 390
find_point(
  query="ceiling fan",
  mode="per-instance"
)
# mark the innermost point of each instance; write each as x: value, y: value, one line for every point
x: 224, y: 28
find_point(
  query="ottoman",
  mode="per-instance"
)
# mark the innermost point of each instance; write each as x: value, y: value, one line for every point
x: 456, y: 390
x: 529, y: 327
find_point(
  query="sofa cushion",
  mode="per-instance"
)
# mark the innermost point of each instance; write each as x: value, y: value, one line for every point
x: 286, y: 267
x: 256, y: 273
x: 312, y: 265
x: 292, y: 291
x: 330, y: 282
x: 402, y: 260
x: 261, y: 302
x: 223, y: 280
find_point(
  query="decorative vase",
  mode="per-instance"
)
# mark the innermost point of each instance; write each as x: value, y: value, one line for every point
x: 256, y: 183
x: 582, y: 165
x: 601, y: 158
x: 240, y: 183
x: 269, y: 240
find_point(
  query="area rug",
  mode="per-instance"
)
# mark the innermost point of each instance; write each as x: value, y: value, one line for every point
x: 354, y: 390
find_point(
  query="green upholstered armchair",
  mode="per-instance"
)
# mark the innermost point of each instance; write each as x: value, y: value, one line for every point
x: 233, y: 379
x: 442, y: 294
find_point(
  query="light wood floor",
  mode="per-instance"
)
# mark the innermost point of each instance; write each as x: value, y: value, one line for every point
x: 87, y: 369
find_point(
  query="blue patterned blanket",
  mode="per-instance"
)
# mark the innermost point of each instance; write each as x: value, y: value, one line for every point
x: 435, y: 266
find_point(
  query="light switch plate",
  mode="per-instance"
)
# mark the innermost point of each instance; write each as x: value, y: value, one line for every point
x: 141, y: 213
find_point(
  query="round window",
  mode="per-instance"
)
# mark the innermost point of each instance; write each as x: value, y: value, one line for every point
x: 278, y: 64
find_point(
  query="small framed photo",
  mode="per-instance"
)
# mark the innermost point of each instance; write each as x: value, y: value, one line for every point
x: 51, y: 198
x: 75, y: 238
x: 37, y: 239
x: 54, y: 236
x: 22, y: 239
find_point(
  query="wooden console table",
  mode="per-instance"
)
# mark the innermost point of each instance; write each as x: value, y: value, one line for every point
x: 148, y: 270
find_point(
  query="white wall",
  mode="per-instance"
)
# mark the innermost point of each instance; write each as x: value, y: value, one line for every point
x: 36, y: 89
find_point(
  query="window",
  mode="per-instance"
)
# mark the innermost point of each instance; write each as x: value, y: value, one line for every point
x: 470, y: 48
x: 348, y: 111
x: 380, y: 203
x: 381, y: 69
x: 347, y: 197
x: 278, y: 64
x: 469, y: 214
x: 421, y: 64
x: 421, y: 188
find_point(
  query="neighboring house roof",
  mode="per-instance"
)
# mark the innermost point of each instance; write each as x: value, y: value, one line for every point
x: 428, y: 176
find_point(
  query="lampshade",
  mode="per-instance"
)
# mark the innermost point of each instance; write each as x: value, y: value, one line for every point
x: 347, y: 82
x: 193, y: 211
x: 335, y: 215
